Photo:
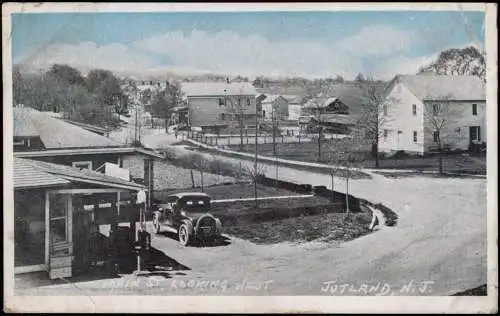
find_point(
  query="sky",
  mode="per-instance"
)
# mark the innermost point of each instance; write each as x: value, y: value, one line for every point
x: 278, y: 44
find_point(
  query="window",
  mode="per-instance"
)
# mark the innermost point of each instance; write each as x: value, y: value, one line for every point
x: 386, y: 133
x: 385, y: 109
x: 222, y: 117
x: 58, y: 204
x: 474, y: 109
x: 414, y: 109
x: 435, y: 109
x: 19, y: 142
x: 222, y: 102
x: 435, y: 136
x: 248, y: 102
x: 82, y: 165
x: 414, y: 136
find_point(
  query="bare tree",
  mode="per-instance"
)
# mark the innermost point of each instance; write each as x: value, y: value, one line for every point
x: 254, y: 172
x: 199, y: 162
x: 372, y: 120
x: 343, y: 159
x: 238, y: 106
x: 439, y: 115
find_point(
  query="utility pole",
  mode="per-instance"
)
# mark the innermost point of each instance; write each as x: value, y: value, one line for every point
x: 275, y: 127
x: 255, y: 160
x: 274, y: 131
x: 135, y: 126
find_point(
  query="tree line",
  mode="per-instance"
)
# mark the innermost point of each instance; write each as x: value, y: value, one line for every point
x: 96, y: 98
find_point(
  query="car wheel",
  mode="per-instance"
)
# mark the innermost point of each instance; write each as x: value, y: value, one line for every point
x: 184, y: 237
x: 156, y: 224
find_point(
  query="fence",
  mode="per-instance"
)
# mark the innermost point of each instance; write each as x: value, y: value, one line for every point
x: 248, y: 138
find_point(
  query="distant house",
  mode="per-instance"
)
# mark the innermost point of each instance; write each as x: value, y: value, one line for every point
x: 40, y: 136
x: 407, y: 113
x: 212, y: 105
x: 329, y: 112
x: 274, y: 107
x: 56, y: 208
x: 322, y: 105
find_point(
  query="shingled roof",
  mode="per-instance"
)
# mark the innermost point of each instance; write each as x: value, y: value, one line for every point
x: 56, y: 133
x: 34, y: 173
x: 440, y: 87
x: 28, y: 176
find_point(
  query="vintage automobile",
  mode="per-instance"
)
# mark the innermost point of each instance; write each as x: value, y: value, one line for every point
x: 188, y: 215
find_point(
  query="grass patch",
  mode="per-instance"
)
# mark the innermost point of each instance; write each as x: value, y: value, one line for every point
x: 453, y: 162
x: 305, y: 151
x: 331, y: 227
x: 324, y: 170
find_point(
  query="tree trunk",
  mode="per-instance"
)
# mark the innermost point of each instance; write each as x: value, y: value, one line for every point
x: 440, y: 154
x: 241, y: 135
x: 192, y: 178
x: 440, y: 159
x: 202, y: 184
x: 274, y: 139
x: 255, y: 189
x: 347, y: 195
x: 319, y: 143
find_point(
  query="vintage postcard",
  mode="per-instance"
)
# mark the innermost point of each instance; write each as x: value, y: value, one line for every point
x: 255, y: 157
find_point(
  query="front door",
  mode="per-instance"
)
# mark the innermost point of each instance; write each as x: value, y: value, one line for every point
x: 60, y: 235
x: 474, y: 134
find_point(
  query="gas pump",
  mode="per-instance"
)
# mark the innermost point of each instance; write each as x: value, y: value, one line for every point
x: 142, y: 244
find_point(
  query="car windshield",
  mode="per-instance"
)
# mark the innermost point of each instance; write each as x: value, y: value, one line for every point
x: 194, y: 203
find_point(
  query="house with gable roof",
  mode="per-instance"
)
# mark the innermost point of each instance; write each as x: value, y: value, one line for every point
x: 406, y: 113
x: 213, y: 105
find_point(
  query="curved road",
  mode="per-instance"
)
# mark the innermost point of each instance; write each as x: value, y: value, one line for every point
x: 440, y: 238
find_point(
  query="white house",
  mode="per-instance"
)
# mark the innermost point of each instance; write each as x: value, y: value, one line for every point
x: 274, y: 106
x: 416, y: 103
x: 212, y: 104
